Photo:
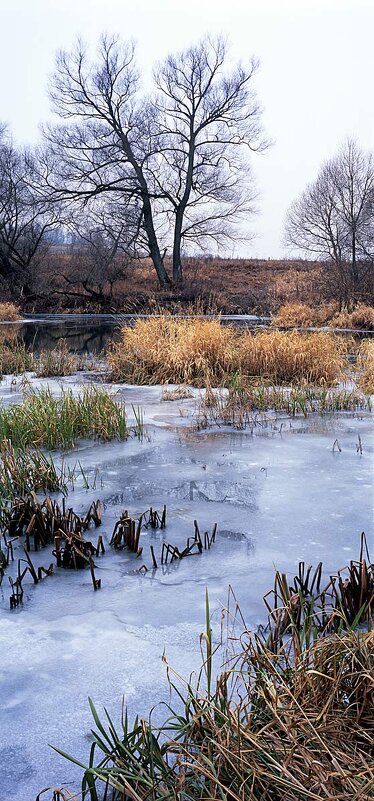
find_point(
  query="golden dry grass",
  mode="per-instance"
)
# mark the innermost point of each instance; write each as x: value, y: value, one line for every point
x: 365, y: 365
x: 303, y: 315
x: 284, y: 357
x: 202, y: 352
x: 164, y: 350
x: 296, y: 315
x: 9, y: 312
x: 361, y: 318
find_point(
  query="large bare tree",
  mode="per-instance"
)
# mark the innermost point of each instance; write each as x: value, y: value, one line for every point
x: 334, y: 218
x: 209, y: 119
x: 175, y: 156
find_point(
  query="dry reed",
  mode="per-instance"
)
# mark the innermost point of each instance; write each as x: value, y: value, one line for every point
x: 289, y: 718
x: 296, y: 315
x: 203, y: 352
x: 365, y: 365
x: 9, y: 312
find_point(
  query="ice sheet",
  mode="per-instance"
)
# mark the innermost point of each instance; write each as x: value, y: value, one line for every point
x: 279, y: 495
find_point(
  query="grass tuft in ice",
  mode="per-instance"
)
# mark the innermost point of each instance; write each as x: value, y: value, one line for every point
x: 239, y: 405
x: 42, y: 420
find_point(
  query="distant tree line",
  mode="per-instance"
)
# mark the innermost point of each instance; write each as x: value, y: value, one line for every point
x: 127, y: 174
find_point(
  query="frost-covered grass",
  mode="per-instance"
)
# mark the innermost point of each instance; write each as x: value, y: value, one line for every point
x: 203, y: 352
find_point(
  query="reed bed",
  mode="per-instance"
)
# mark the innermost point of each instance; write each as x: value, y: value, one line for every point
x: 9, y: 312
x: 202, y: 352
x: 285, y: 357
x: 365, y: 364
x: 164, y: 350
x: 289, y: 718
x: 361, y: 318
x: 296, y: 315
x: 42, y: 420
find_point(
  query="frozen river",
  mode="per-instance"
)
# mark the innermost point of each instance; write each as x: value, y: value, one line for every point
x: 278, y: 496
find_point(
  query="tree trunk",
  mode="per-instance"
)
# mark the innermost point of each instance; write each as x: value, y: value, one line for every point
x: 154, y: 249
x: 177, y: 261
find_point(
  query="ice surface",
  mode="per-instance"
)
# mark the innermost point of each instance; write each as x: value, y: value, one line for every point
x: 279, y: 495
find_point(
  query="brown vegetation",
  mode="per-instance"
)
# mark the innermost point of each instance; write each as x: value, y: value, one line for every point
x: 289, y: 717
x: 9, y: 312
x: 295, y: 315
x: 203, y: 352
x: 366, y: 366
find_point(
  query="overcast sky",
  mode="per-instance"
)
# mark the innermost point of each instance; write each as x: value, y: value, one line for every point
x: 315, y: 81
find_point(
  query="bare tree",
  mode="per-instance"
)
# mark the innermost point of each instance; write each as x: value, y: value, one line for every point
x: 172, y: 157
x: 209, y: 119
x: 106, y: 145
x: 26, y: 216
x: 334, y: 218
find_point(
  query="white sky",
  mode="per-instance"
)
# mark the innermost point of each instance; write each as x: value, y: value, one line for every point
x: 315, y: 81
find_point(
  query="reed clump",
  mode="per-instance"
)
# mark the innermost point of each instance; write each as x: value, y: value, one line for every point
x: 361, y: 318
x: 9, y: 312
x: 295, y: 315
x: 302, y: 315
x: 289, y: 717
x: 365, y: 364
x: 167, y: 350
x: 203, y: 352
x: 56, y: 362
x: 15, y: 358
x: 284, y: 357
x: 42, y: 420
